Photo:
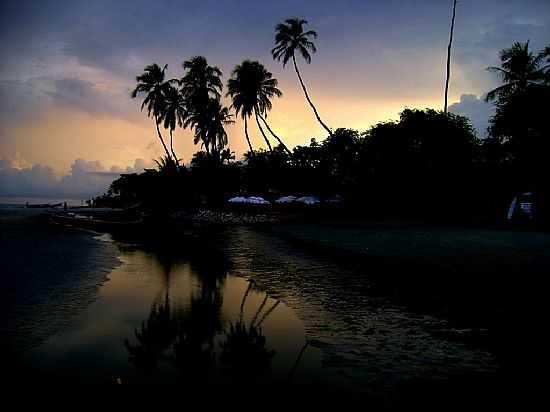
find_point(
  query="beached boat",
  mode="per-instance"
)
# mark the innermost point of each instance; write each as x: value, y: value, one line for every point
x: 90, y: 222
x: 42, y: 205
x: 124, y: 227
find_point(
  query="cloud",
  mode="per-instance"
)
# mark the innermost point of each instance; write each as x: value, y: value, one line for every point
x: 14, y: 162
x: 476, y: 109
x: 374, y: 58
x: 85, y: 179
x: 25, y: 98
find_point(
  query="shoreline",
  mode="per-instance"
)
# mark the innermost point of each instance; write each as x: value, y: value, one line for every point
x: 50, y: 274
x: 467, y: 286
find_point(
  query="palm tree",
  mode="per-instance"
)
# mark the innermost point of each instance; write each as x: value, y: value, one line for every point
x: 449, y: 57
x: 173, y: 112
x: 520, y: 70
x: 266, y: 88
x: 151, y: 83
x: 219, y: 117
x: 210, y: 126
x: 166, y: 165
x: 289, y: 38
x: 200, y: 83
x: 240, y: 89
x: 251, y: 88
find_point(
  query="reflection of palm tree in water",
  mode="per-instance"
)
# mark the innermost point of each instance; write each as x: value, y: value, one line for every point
x: 185, y: 337
x: 244, y: 352
x: 194, y: 349
x: 154, y: 337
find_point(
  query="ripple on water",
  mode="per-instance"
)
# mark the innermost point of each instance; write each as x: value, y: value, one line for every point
x: 367, y: 338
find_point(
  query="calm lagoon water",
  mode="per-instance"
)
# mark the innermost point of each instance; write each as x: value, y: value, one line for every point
x: 155, y: 320
x: 88, y: 309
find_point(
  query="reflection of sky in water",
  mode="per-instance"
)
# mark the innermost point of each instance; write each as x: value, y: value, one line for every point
x: 204, y: 304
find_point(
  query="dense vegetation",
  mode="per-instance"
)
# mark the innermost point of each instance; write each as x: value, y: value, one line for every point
x: 427, y: 164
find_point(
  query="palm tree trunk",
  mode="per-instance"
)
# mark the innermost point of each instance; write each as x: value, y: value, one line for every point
x: 266, y: 314
x: 246, y: 134
x: 161, y: 139
x: 262, y: 131
x: 449, y: 57
x: 275, y: 136
x: 241, y: 310
x: 204, y: 138
x: 258, y: 312
x: 297, y: 362
x: 172, y: 149
x: 307, y: 97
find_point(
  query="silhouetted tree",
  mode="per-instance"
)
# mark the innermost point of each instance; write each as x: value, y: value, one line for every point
x: 243, y: 90
x: 520, y: 122
x: 173, y: 112
x: 289, y: 39
x: 166, y: 165
x: 199, y: 85
x: 422, y: 164
x: 210, y: 124
x: 151, y: 83
x: 520, y: 70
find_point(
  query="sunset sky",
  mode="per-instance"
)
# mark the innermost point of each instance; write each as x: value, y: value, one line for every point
x: 67, y: 68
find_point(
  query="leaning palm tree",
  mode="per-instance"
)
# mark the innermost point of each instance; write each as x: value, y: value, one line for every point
x: 151, y: 83
x: 251, y: 87
x: 519, y: 70
x: 266, y: 88
x: 289, y: 38
x: 173, y: 112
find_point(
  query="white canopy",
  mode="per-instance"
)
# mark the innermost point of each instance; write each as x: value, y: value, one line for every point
x: 256, y: 200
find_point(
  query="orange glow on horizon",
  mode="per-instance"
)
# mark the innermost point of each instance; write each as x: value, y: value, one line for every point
x: 58, y: 136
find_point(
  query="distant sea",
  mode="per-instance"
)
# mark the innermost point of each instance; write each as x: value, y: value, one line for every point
x: 20, y: 200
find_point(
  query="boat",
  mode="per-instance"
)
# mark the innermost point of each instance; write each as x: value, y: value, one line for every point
x: 42, y: 205
x: 90, y: 222
x: 124, y: 228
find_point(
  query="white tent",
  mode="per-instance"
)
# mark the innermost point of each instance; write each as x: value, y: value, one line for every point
x: 286, y: 199
x: 308, y: 200
x: 255, y: 200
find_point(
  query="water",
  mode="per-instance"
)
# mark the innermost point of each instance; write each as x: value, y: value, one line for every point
x: 48, y: 275
x: 163, y: 320
x: 365, y: 337
x: 159, y: 314
x: 239, y: 306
